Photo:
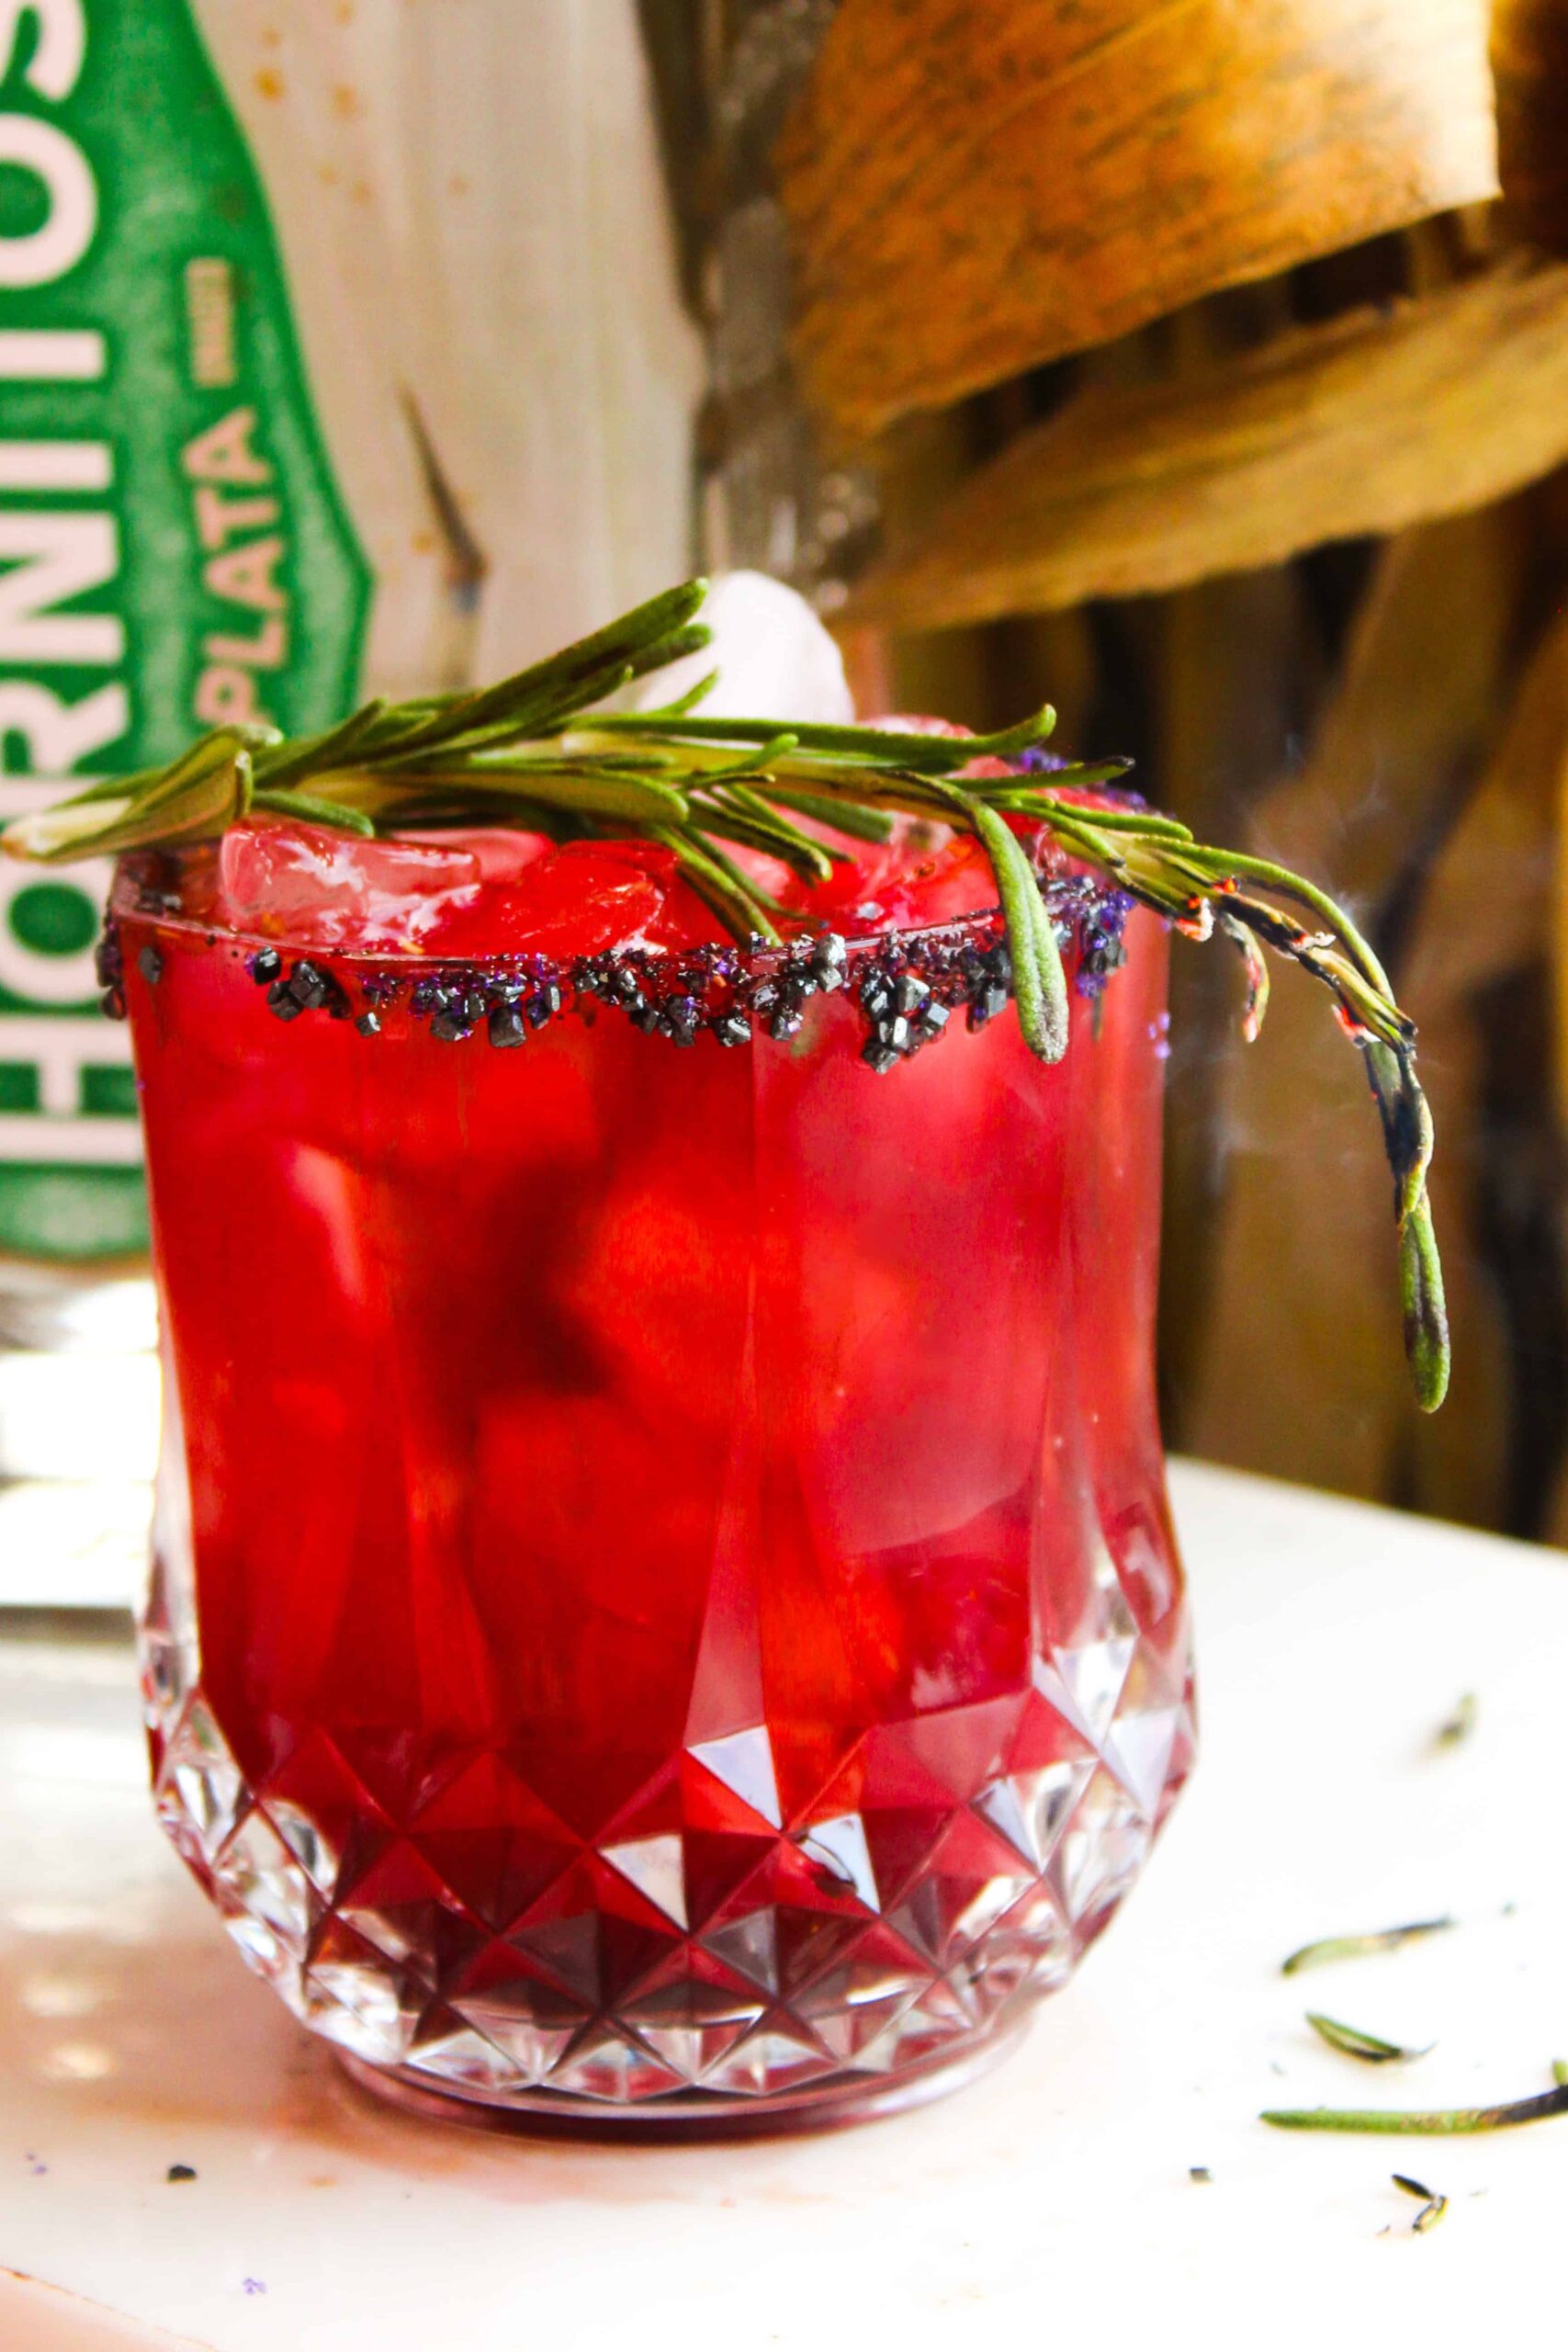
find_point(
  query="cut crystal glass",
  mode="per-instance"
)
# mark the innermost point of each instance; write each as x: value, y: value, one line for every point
x: 664, y: 1607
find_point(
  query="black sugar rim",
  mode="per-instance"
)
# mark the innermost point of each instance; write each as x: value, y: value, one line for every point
x: 907, y: 982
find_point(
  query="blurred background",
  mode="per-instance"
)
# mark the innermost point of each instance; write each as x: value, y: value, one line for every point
x: 1200, y: 369
x: 1204, y: 371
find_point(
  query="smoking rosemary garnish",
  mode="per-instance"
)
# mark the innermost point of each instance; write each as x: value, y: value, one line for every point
x: 1331, y: 1948
x: 538, y: 750
x: 1369, y: 2047
x: 1435, y: 2123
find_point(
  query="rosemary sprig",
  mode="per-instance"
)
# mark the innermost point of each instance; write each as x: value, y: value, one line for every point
x: 1443, y: 2122
x: 540, y: 750
x: 1331, y: 1948
x: 1353, y: 2041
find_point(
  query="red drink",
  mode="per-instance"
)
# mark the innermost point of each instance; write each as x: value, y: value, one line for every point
x: 664, y: 1598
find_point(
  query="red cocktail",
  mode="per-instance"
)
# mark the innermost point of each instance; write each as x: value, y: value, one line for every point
x: 664, y: 1600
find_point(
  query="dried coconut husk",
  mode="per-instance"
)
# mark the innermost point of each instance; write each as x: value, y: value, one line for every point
x: 1387, y: 416
x: 974, y: 186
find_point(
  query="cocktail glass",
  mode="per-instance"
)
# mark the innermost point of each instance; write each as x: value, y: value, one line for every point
x: 664, y: 1608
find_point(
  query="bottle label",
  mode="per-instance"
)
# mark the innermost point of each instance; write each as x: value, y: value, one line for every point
x: 173, y: 550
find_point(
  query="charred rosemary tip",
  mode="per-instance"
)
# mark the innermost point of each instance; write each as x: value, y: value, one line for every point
x: 1434, y: 2204
x: 541, y: 750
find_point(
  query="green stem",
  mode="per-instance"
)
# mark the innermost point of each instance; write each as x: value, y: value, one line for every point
x: 717, y: 879
x: 880, y: 746
x: 306, y: 810
x: 1435, y: 2123
x: 1307, y: 894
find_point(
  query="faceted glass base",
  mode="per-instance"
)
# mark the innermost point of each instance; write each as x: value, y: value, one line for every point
x: 824, y: 2105
x: 712, y: 1964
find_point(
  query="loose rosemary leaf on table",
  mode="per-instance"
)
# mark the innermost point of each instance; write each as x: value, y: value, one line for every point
x: 541, y: 751
x: 1353, y: 2041
x: 1434, y: 2204
x: 1455, y: 1728
x: 1428, y: 2122
x: 1331, y: 1948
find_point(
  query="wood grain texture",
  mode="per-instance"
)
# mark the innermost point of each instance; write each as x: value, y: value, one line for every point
x: 1492, y: 900
x: 1530, y: 62
x: 1235, y: 670
x: 1300, y: 1371
x: 974, y: 186
x: 1381, y: 418
x: 1551, y: 853
x: 1490, y: 910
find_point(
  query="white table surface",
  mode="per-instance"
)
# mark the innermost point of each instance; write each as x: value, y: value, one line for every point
x: 1049, y: 2205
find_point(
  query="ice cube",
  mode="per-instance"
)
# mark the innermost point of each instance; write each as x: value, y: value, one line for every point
x: 329, y: 890
x: 502, y: 850
x: 924, y: 874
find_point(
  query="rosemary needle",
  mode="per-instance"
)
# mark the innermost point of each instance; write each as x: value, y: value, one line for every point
x: 1434, y: 2204
x: 1331, y: 1948
x: 1355, y: 2043
x: 1459, y: 1725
